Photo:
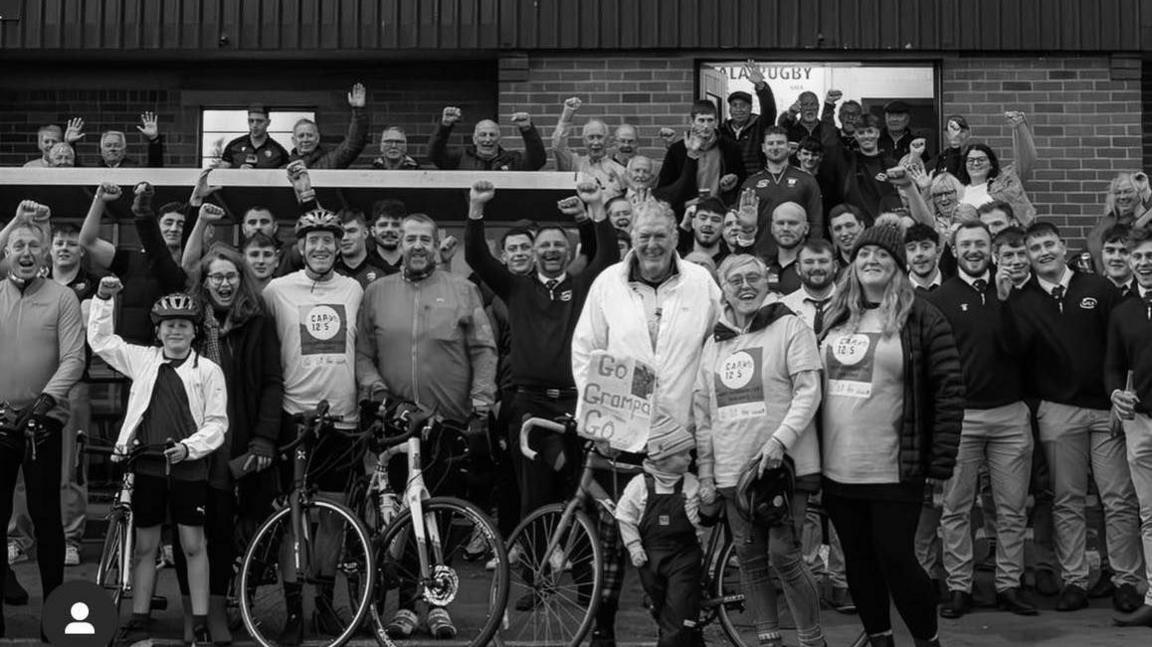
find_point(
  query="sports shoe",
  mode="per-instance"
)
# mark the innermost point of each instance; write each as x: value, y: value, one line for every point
x: 293, y: 632
x: 71, y: 555
x: 16, y: 554
x: 477, y: 547
x: 440, y: 624
x: 402, y: 624
x: 132, y: 632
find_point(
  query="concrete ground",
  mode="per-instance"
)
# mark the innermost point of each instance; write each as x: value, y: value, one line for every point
x: 983, y: 628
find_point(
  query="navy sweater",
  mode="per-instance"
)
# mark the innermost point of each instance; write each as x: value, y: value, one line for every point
x: 991, y: 364
x: 1064, y: 351
x: 1130, y: 349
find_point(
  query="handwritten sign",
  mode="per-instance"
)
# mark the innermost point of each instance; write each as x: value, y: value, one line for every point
x: 616, y: 404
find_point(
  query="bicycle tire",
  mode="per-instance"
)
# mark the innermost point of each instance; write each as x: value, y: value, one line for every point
x: 733, y: 629
x: 390, y: 564
x: 253, y: 569
x: 542, y: 523
x: 108, y: 573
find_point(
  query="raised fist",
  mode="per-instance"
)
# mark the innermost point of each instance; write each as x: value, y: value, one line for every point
x: 522, y: 120
x: 358, y: 96
x: 482, y: 192
x: 728, y: 182
x: 573, y: 103
x: 450, y: 116
x: 149, y: 127
x: 668, y: 135
x: 26, y: 210
x: 589, y: 191
x: 833, y: 96
x: 1014, y: 118
x: 108, y: 192
x: 571, y: 206
x: 918, y: 147
x: 448, y: 249
x: 143, y: 188
x: 211, y: 213
x: 110, y: 286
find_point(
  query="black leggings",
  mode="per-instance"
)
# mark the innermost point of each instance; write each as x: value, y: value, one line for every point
x: 42, y: 483
x: 878, y: 538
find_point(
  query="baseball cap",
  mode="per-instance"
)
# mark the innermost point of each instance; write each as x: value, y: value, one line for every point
x: 896, y: 107
x: 740, y: 94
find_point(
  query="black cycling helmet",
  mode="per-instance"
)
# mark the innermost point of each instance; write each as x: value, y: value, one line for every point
x: 178, y: 305
x: 766, y: 500
x: 319, y: 220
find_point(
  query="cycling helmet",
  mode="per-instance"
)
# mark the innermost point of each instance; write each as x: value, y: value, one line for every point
x: 766, y: 500
x: 178, y: 305
x: 319, y: 220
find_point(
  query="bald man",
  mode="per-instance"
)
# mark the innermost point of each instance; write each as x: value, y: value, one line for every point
x: 789, y: 230
x: 485, y: 152
x: 608, y: 173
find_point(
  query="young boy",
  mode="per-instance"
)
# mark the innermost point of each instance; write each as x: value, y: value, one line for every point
x: 177, y: 396
x: 659, y: 515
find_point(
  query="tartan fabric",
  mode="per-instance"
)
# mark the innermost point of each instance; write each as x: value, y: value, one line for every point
x: 614, y: 556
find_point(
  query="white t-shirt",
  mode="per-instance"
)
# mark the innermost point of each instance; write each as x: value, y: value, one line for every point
x: 316, y: 322
x: 976, y: 195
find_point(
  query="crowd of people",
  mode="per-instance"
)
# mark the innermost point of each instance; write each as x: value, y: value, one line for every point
x: 841, y: 323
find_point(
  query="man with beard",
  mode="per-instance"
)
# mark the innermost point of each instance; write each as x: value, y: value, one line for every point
x: 1061, y: 317
x: 803, y: 120
x: 42, y: 349
x: 745, y: 128
x: 355, y: 261
x: 845, y: 221
x: 1114, y: 257
x: 702, y: 161
x: 996, y: 429
x: 147, y: 273
x: 651, y: 300
x: 1127, y: 371
x: 387, y: 215
x: 262, y: 256
x: 619, y: 213
x: 306, y: 138
x: 704, y: 234
x: 997, y: 216
x: 608, y: 173
x: 789, y: 230
x: 828, y: 171
x: 780, y: 182
x: 922, y: 244
x: 255, y: 149
x: 315, y: 310
x: 866, y: 168
x: 114, y: 145
x: 394, y: 151
x: 626, y: 139
x: 485, y: 152
x: 543, y: 308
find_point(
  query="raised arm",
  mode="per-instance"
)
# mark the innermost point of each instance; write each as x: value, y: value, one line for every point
x: 763, y: 93
x: 481, y: 350
x: 1023, y: 145
x: 535, y: 157
x: 100, y: 251
x: 491, y: 271
x: 150, y: 128
x: 438, y: 151
x: 565, y: 160
x: 356, y: 137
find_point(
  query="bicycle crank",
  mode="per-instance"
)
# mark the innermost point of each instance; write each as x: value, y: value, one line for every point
x: 442, y: 586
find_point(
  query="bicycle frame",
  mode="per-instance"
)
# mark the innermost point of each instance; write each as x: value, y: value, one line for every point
x: 415, y: 493
x: 122, y: 505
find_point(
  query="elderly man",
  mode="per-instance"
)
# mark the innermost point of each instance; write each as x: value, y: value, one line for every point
x: 255, y: 149
x: 746, y: 128
x: 42, y: 349
x: 394, y: 151
x: 306, y: 138
x: 627, y: 141
x: 803, y: 120
x: 655, y: 308
x: 46, y: 137
x: 608, y: 173
x: 114, y: 145
x: 485, y: 152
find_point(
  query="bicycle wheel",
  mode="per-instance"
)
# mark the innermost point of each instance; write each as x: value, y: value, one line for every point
x: 473, y: 596
x: 108, y: 573
x: 345, y: 554
x: 736, y: 619
x: 554, y: 597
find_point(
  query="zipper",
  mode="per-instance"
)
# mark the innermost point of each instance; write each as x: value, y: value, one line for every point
x: 415, y: 334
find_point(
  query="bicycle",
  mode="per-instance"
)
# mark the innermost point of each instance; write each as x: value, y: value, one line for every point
x: 114, y: 569
x: 287, y: 535
x: 424, y: 562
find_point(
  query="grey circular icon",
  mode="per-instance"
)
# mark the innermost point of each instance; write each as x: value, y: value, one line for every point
x: 79, y: 614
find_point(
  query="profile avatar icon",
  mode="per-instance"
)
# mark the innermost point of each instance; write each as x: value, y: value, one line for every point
x: 79, y: 626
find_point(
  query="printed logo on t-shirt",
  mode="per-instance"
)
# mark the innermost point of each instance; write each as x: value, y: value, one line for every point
x: 740, y: 386
x: 762, y: 184
x: 664, y: 520
x: 323, y: 329
x: 851, y: 360
x: 791, y: 182
x: 1088, y: 303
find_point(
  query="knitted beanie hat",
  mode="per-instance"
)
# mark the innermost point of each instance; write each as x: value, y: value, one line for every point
x: 887, y: 234
x: 668, y: 438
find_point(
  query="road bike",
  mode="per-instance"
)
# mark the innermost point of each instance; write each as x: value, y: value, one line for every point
x: 420, y: 542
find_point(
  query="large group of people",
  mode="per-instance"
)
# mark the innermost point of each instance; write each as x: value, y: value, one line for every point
x: 889, y: 345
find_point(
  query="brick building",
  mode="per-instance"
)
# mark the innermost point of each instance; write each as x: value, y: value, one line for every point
x: 1076, y: 68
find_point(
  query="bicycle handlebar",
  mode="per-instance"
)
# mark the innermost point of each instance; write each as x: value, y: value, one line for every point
x: 543, y: 423
x: 413, y: 419
x: 313, y: 421
x: 137, y: 451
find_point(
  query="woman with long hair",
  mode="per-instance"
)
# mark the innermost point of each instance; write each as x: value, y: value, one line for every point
x: 238, y: 335
x: 892, y: 412
x: 986, y: 180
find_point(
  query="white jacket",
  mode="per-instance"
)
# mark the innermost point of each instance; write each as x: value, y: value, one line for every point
x: 203, y: 380
x: 614, y: 319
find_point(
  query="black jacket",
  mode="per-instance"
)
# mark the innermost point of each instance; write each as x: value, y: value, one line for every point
x: 677, y: 182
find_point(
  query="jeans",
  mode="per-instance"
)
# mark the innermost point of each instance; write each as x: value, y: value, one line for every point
x: 812, y: 537
x: 1000, y: 437
x: 778, y: 547
x: 1075, y: 441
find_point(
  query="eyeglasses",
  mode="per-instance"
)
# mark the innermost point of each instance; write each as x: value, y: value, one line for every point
x: 217, y: 279
x: 738, y: 280
x: 944, y: 194
x: 395, y: 142
x: 976, y: 161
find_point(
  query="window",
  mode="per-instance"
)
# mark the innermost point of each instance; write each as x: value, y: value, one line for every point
x: 871, y: 85
x: 220, y: 126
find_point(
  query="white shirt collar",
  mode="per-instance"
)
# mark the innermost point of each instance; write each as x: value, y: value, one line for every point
x: 544, y: 279
x: 986, y: 276
x: 808, y: 295
x: 1064, y: 281
x: 936, y: 280
x: 1130, y: 284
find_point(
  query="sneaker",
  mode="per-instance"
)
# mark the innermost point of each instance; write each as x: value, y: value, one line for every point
x: 293, y: 632
x: 202, y: 638
x: 132, y: 632
x: 477, y: 546
x: 16, y: 554
x: 402, y: 624
x: 71, y: 555
x: 841, y: 600
x: 440, y: 624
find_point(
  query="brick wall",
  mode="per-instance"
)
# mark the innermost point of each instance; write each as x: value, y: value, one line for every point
x: 113, y: 96
x: 1085, y: 114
